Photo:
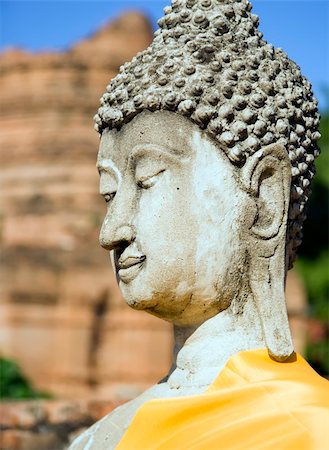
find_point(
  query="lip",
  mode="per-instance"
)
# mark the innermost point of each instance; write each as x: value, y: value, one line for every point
x: 129, y: 268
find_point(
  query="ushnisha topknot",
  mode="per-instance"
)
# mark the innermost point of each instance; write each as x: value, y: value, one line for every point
x: 208, y: 62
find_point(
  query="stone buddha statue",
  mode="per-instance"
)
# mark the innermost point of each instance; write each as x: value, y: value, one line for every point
x: 207, y: 149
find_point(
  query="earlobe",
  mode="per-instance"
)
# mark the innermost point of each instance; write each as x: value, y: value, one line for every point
x: 266, y: 177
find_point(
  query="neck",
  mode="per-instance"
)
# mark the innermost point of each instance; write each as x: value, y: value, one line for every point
x: 201, y: 351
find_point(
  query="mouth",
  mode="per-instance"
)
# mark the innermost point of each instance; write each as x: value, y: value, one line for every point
x: 129, y: 267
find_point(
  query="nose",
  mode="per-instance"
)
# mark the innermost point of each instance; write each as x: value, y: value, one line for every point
x: 112, y: 238
x: 118, y: 231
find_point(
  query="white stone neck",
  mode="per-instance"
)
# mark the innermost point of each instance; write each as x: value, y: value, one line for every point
x: 201, y: 352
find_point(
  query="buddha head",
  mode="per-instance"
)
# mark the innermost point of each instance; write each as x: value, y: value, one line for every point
x: 208, y: 139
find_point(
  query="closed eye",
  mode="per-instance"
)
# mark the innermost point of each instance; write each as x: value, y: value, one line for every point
x: 146, y: 182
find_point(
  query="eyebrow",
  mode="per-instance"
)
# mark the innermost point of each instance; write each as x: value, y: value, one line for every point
x: 144, y: 149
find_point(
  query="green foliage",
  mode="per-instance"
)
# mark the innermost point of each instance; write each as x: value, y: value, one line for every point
x: 315, y: 276
x: 318, y: 356
x: 14, y: 385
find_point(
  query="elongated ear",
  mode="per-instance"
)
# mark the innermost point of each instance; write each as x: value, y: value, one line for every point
x: 266, y: 177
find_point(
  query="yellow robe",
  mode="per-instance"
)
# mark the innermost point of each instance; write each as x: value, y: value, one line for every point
x: 255, y: 403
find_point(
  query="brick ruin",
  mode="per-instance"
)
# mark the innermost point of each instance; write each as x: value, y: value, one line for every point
x: 61, y: 315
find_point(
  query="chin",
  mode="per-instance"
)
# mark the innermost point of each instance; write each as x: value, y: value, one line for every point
x: 137, y: 300
x: 140, y: 299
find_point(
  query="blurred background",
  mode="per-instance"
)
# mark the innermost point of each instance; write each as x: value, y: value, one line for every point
x: 65, y: 332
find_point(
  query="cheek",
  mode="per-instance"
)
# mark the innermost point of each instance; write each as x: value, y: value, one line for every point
x: 154, y: 216
x: 163, y: 221
x: 217, y: 215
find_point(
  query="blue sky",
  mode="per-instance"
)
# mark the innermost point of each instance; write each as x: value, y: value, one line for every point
x: 300, y: 27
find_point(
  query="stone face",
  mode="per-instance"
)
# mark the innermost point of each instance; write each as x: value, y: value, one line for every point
x: 61, y: 311
x: 209, y: 62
